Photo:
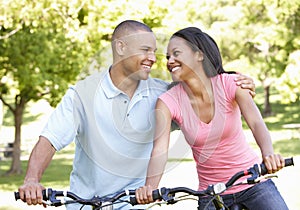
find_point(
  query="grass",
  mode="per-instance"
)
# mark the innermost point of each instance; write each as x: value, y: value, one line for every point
x: 57, y: 174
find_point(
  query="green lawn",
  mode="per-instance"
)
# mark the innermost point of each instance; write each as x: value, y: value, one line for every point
x: 56, y: 175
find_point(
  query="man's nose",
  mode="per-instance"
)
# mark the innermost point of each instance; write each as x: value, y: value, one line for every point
x: 152, y: 57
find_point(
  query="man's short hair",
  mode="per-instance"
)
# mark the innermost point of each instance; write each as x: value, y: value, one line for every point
x: 127, y: 27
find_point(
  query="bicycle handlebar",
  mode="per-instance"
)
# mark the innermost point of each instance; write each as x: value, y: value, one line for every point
x: 166, y: 194
x: 256, y: 171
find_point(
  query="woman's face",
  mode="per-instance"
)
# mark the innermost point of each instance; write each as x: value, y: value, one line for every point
x: 182, y: 60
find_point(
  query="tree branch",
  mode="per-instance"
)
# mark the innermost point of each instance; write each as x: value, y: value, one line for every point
x: 7, y: 104
x: 12, y: 32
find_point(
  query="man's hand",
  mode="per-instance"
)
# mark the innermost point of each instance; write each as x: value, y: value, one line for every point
x: 246, y: 83
x: 31, y: 192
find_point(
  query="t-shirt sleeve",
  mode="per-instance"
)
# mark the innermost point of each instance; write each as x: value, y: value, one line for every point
x: 171, y: 100
x: 229, y: 85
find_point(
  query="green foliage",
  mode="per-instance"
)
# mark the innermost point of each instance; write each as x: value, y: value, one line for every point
x: 43, y: 57
x: 66, y: 37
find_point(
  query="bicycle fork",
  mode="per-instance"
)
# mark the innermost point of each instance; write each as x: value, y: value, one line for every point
x: 218, y: 202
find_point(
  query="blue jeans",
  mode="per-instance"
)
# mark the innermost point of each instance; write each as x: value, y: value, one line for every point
x: 262, y: 196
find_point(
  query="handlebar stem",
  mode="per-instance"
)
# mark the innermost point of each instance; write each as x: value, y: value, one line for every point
x: 167, y: 195
x: 256, y: 172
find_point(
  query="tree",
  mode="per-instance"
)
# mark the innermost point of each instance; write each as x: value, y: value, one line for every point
x: 39, y: 58
x: 46, y: 45
x: 270, y: 40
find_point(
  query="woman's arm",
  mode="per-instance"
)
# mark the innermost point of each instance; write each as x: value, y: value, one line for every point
x: 254, y: 120
x: 159, y: 155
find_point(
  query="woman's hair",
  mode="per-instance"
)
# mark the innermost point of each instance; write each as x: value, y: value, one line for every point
x: 200, y: 41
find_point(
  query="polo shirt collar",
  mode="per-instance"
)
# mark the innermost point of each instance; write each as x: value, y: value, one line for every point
x: 112, y: 91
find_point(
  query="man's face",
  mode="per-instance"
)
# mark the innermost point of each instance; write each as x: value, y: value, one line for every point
x: 139, y: 54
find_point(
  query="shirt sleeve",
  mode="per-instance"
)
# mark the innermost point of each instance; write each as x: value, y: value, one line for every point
x: 229, y: 85
x: 60, y: 129
x: 170, y: 98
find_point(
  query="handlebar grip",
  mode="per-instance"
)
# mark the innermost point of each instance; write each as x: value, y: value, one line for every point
x: 155, y: 195
x: 17, y: 195
x: 287, y: 162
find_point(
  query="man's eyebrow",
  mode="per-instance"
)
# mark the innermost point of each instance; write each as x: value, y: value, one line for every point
x: 149, y: 47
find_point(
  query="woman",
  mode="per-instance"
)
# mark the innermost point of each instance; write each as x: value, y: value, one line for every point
x: 207, y: 106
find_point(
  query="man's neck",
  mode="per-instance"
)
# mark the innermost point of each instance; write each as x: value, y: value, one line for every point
x: 122, y: 82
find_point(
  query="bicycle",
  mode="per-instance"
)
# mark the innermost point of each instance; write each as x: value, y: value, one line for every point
x: 167, y: 195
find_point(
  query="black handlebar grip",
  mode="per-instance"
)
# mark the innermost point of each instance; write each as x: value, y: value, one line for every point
x: 133, y: 201
x: 155, y: 196
x: 287, y: 162
x: 17, y: 195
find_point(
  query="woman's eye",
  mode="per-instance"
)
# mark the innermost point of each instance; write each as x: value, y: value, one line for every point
x: 168, y: 57
x: 176, y: 53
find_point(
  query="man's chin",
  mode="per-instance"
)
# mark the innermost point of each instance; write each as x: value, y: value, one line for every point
x: 144, y: 75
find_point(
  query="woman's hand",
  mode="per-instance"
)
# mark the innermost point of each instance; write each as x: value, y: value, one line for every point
x: 144, y: 195
x: 273, y: 163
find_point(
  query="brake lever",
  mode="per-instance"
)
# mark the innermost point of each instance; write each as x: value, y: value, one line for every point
x: 267, y: 176
x: 48, y: 203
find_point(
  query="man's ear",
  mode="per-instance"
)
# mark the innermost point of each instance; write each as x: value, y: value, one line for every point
x: 120, y: 47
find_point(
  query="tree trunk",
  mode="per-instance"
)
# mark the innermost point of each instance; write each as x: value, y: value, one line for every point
x: 267, y: 105
x: 16, y: 166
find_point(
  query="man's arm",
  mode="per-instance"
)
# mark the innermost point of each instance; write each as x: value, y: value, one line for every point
x: 40, y: 158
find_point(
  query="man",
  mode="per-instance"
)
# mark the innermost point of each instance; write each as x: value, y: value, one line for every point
x: 110, y: 116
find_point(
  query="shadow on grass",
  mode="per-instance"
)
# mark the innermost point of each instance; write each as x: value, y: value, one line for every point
x: 281, y: 114
x: 287, y: 148
x: 56, y: 176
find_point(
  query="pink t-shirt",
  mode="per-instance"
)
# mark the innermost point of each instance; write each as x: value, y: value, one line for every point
x: 219, y: 148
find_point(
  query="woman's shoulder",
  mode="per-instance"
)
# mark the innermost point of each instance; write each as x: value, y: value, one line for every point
x: 227, y: 77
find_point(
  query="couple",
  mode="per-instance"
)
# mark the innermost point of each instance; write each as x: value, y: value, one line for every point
x: 110, y: 116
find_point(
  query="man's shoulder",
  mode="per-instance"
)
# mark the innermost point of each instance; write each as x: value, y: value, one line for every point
x: 94, y: 76
x: 91, y: 80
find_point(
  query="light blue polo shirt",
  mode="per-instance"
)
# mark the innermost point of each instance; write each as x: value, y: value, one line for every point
x: 113, y: 134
